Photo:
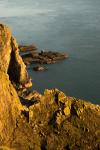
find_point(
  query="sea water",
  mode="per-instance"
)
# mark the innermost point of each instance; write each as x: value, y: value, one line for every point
x: 70, y: 26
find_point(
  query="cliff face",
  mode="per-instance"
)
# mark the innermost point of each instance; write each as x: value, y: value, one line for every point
x: 52, y: 121
x: 11, y: 68
x: 9, y: 108
x: 10, y: 60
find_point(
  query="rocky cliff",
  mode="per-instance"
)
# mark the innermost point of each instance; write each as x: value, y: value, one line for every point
x: 12, y: 70
x: 52, y: 121
x: 10, y: 60
x: 10, y: 108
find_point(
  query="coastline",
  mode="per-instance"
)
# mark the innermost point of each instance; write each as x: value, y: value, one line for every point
x: 30, y: 120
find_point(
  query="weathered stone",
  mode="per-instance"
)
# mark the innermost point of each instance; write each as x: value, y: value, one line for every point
x: 5, y: 148
x: 10, y: 108
x: 33, y: 95
x: 66, y: 121
x: 67, y: 111
x: 5, y: 47
x: 17, y: 69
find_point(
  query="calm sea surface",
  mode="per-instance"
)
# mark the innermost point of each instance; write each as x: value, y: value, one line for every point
x: 71, y: 26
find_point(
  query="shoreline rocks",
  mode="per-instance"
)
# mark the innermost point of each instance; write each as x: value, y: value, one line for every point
x: 27, y: 48
x: 39, y: 68
x: 48, y: 57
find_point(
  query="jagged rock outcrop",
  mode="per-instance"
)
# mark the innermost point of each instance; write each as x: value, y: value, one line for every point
x: 57, y: 122
x: 10, y: 60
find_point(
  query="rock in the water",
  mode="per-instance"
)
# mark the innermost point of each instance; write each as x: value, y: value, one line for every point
x: 39, y: 68
x: 43, y: 57
x: 25, y: 48
x: 10, y: 60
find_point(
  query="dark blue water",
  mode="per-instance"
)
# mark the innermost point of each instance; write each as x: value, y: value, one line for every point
x: 71, y: 26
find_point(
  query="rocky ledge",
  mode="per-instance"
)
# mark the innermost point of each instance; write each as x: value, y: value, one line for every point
x: 34, y: 121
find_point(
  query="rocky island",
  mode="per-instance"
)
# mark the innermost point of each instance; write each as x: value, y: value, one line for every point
x: 33, y: 121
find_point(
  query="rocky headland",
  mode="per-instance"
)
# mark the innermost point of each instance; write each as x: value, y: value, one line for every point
x: 33, y: 121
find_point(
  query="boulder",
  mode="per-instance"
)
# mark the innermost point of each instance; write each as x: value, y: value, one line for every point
x: 39, y: 68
